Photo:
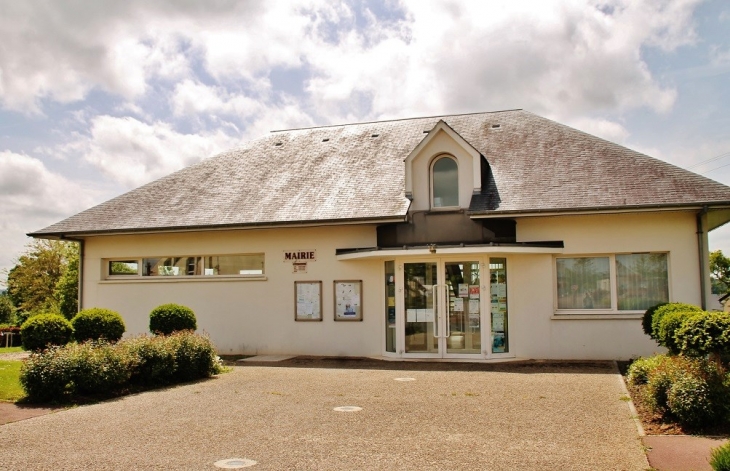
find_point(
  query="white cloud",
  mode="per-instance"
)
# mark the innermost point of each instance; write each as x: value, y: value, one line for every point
x: 191, y: 98
x: 34, y: 197
x: 600, y: 127
x: 132, y: 152
x: 558, y: 59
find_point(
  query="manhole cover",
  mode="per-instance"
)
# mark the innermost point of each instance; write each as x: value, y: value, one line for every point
x: 234, y: 463
x: 347, y: 409
x: 405, y: 379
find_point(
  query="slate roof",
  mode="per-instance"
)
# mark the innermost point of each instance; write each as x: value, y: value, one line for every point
x: 344, y: 173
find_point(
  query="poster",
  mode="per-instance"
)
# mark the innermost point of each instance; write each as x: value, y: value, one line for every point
x: 474, y: 292
x: 498, y: 321
x: 463, y: 290
x: 473, y: 305
x: 348, y: 300
x: 458, y: 304
x: 308, y: 298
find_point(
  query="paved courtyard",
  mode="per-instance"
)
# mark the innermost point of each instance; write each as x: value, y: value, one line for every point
x: 413, y: 416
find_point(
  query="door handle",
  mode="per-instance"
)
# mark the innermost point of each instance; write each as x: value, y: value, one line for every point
x: 434, y: 305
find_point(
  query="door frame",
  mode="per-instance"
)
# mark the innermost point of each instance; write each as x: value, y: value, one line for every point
x: 484, y: 307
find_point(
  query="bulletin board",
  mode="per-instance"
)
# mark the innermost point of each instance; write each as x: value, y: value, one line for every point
x: 348, y: 300
x: 308, y: 300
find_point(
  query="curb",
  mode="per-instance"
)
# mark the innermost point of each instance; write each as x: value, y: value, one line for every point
x: 632, y: 408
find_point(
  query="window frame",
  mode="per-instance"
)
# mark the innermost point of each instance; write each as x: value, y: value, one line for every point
x: 106, y: 265
x: 431, y: 183
x: 613, y: 310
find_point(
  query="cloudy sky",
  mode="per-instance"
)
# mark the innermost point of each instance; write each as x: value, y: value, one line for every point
x: 97, y: 98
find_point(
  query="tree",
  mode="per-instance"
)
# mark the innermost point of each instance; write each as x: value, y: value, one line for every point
x: 7, y: 310
x: 67, y: 288
x: 719, y: 272
x: 33, y: 280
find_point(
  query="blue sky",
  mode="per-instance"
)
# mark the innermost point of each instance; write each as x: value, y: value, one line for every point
x: 97, y: 98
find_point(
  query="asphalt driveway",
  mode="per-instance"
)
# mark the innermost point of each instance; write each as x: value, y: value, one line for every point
x: 530, y: 416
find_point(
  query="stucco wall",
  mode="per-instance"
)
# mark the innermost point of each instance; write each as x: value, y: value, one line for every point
x: 251, y: 317
x: 257, y: 317
x: 537, y: 333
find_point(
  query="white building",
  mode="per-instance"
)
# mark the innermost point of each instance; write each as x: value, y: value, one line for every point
x: 482, y: 236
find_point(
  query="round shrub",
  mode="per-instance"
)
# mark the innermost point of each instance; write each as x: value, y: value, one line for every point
x: 688, y: 399
x: 705, y: 334
x: 669, y: 325
x: 665, y: 309
x: 45, y: 329
x: 47, y: 376
x: 647, y: 319
x: 169, y: 318
x: 97, y: 323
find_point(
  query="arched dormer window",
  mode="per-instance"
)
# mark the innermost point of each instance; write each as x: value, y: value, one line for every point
x: 445, y: 183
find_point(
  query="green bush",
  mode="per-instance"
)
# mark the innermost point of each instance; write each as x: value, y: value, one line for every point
x: 647, y: 320
x: 705, y: 334
x: 101, y: 368
x: 43, y: 330
x: 639, y: 370
x: 665, y: 309
x: 156, y: 360
x: 669, y: 325
x: 96, y: 324
x: 689, y: 400
x: 169, y: 318
x: 691, y: 390
x: 720, y: 458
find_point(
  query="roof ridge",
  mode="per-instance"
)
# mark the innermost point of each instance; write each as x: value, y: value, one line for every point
x: 395, y: 120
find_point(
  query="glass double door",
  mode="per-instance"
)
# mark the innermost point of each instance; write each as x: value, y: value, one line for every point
x: 442, y: 304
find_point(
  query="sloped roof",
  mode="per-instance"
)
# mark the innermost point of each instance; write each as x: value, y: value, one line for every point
x: 347, y: 173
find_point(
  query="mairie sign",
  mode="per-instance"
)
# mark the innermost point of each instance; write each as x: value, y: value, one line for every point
x: 300, y: 255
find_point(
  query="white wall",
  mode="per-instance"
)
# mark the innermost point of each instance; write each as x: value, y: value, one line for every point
x: 536, y: 333
x: 248, y: 317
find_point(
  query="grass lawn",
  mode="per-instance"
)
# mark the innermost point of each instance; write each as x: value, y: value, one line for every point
x: 10, y: 389
x: 10, y: 350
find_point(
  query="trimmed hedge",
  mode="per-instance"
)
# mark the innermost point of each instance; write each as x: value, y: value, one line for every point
x: 706, y: 334
x: 662, y: 310
x: 100, y: 368
x: 40, y: 331
x: 98, y: 323
x: 169, y: 318
x: 669, y: 324
x: 646, y: 321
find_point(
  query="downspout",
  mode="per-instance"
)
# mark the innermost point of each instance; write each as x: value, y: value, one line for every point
x: 703, y: 256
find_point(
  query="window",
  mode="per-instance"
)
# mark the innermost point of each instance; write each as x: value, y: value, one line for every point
x: 621, y: 282
x: 642, y: 280
x: 445, y: 183
x: 584, y: 283
x: 187, y: 266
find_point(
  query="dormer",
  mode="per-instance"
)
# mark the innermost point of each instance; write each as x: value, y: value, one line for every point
x: 443, y: 171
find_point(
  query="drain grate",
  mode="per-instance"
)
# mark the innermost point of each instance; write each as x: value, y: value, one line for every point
x: 234, y: 463
x: 347, y: 409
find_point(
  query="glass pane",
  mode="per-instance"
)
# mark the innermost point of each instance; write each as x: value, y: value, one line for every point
x: 390, y: 306
x: 463, y: 288
x: 498, y: 304
x: 584, y: 283
x: 641, y: 280
x: 234, y: 265
x: 445, y: 183
x: 419, y: 304
x: 172, y: 266
x: 124, y: 267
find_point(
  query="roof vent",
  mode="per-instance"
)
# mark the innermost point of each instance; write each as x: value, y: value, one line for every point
x: 496, y: 127
x: 325, y: 139
x: 375, y: 135
x: 278, y: 144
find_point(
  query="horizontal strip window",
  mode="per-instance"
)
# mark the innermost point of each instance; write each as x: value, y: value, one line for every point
x: 187, y: 266
x: 620, y: 283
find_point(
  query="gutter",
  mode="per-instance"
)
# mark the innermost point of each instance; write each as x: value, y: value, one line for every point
x: 82, y: 246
